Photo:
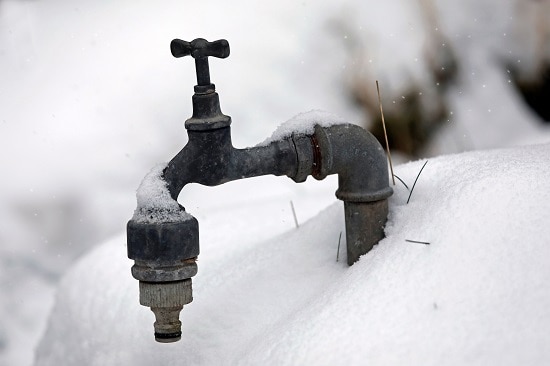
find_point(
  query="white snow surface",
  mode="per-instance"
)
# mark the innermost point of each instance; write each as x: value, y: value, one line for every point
x: 91, y: 99
x: 478, y: 294
x: 304, y: 124
x: 154, y: 203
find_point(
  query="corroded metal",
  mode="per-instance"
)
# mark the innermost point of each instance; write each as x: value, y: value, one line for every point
x: 165, y: 253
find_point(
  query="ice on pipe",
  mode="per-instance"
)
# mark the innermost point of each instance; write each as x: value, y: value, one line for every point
x: 154, y: 203
x: 304, y: 124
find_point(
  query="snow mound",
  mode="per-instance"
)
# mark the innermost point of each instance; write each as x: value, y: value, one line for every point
x: 154, y: 203
x: 476, y: 294
x: 303, y: 124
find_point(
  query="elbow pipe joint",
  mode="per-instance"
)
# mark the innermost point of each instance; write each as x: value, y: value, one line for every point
x: 363, y: 184
x: 358, y: 159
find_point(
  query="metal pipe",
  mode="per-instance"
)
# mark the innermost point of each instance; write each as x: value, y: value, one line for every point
x: 165, y: 252
x: 359, y: 160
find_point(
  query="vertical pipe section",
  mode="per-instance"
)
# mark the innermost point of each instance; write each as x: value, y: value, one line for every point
x: 365, y: 223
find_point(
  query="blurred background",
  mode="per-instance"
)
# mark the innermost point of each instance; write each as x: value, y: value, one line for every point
x: 91, y: 100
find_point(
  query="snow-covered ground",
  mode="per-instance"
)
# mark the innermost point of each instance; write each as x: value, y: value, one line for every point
x: 477, y: 294
x: 91, y: 99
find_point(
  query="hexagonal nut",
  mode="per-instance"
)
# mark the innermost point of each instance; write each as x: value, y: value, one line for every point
x: 164, y: 272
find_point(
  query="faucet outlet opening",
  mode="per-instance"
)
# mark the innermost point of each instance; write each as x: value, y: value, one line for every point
x: 166, y: 300
x: 167, y: 324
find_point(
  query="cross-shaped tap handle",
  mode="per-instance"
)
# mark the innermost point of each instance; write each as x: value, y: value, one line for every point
x: 200, y: 49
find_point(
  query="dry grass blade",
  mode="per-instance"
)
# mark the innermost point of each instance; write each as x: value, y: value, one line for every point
x: 414, y: 184
x: 401, y: 180
x: 417, y: 242
x: 294, y: 214
x: 385, y: 133
x: 338, y: 251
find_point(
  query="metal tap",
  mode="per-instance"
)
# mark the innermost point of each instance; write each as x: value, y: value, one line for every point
x: 165, y: 252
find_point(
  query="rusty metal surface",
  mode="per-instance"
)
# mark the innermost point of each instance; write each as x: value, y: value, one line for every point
x: 165, y: 252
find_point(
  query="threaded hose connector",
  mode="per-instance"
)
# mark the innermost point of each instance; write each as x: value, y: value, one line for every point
x: 166, y: 300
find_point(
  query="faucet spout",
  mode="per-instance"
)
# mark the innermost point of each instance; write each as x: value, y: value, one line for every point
x: 210, y: 159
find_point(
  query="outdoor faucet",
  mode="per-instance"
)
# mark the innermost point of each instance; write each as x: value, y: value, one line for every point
x: 163, y: 239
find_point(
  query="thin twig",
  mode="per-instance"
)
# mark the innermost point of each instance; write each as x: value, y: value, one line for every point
x: 414, y: 184
x: 338, y: 252
x: 385, y: 133
x: 294, y: 214
x: 401, y: 180
x: 417, y: 242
